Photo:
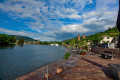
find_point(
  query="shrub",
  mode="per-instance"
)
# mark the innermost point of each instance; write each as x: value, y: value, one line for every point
x: 67, y: 55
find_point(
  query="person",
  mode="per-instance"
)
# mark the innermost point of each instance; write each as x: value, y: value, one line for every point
x: 90, y: 49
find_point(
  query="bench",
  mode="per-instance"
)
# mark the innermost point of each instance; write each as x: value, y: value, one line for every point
x: 107, y: 55
x: 115, y: 70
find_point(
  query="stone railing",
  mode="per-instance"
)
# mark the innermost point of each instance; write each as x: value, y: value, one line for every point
x: 99, y: 50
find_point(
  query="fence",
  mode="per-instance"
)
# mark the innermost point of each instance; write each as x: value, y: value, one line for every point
x: 44, y: 72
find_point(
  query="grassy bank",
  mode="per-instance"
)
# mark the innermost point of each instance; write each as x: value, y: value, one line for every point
x: 67, y: 55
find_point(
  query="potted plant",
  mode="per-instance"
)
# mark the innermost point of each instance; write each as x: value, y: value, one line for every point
x: 83, y: 52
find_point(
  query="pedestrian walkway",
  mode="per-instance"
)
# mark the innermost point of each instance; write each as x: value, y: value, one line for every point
x: 79, y: 67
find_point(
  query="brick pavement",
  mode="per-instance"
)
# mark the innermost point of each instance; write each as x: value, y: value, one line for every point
x: 78, y: 67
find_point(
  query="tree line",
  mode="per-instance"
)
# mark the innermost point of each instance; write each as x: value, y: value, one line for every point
x: 9, y: 40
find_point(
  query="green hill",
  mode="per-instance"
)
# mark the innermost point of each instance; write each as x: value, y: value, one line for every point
x: 24, y: 37
x: 112, y: 32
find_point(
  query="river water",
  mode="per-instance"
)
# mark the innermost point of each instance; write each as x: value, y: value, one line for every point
x: 20, y: 60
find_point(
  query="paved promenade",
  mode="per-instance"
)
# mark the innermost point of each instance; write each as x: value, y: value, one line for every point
x: 78, y: 67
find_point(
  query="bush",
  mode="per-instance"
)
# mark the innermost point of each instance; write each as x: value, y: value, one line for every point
x: 21, y: 41
x: 84, y: 50
x: 67, y: 55
x: 12, y: 40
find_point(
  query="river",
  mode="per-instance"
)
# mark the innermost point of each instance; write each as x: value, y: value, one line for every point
x: 20, y: 60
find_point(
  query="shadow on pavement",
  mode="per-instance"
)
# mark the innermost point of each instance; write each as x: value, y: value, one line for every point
x: 104, y: 68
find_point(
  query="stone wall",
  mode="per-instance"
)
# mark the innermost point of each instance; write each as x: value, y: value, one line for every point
x: 116, y: 52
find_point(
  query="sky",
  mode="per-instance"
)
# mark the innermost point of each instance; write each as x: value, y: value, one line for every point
x: 56, y: 20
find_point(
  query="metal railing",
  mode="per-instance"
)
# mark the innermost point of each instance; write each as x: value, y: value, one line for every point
x: 43, y: 72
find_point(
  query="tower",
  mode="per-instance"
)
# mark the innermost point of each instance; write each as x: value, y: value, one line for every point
x: 38, y: 42
x: 83, y: 36
x: 78, y: 37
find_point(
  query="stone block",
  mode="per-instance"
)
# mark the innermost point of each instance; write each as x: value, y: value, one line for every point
x: 115, y: 70
x: 59, y: 70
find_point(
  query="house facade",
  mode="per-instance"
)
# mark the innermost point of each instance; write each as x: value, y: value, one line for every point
x: 109, y: 42
x: 106, y: 39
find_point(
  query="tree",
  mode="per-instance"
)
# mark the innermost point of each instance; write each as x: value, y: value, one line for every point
x: 12, y: 40
x: 82, y: 44
x: 4, y: 39
x: 72, y: 43
x: 21, y: 41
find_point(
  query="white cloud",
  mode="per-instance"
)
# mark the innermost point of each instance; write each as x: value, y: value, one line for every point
x: 90, y: 1
x: 74, y: 28
x: 102, y: 17
x: 99, y: 14
x: 46, y: 16
x: 104, y: 5
x: 100, y: 24
x: 34, y: 8
x: 43, y: 11
x: 43, y: 37
x: 74, y: 16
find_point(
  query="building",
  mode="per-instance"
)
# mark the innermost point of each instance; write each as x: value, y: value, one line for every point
x: 83, y: 36
x: 52, y: 44
x: 106, y: 39
x: 78, y: 37
x: 109, y: 42
x: 56, y: 44
x: 113, y: 43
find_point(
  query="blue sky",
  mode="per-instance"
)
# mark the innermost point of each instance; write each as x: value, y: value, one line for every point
x: 56, y: 20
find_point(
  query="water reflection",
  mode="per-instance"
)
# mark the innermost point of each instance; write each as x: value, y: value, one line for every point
x: 7, y: 46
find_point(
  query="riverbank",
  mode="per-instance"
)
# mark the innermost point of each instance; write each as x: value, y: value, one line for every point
x: 41, y: 71
x: 17, y: 61
x: 60, y: 63
x: 77, y: 67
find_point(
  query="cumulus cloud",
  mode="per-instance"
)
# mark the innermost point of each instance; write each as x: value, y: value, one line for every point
x: 41, y: 37
x: 74, y: 28
x: 103, y: 17
x: 53, y: 18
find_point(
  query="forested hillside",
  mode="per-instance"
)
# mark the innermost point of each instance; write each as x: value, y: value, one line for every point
x: 111, y: 32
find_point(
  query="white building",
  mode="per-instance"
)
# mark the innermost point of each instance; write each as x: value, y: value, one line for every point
x: 56, y: 44
x: 52, y: 44
x: 106, y: 39
x: 112, y: 42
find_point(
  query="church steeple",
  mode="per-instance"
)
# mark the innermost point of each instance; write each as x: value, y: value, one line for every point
x: 83, y: 36
x: 78, y: 37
